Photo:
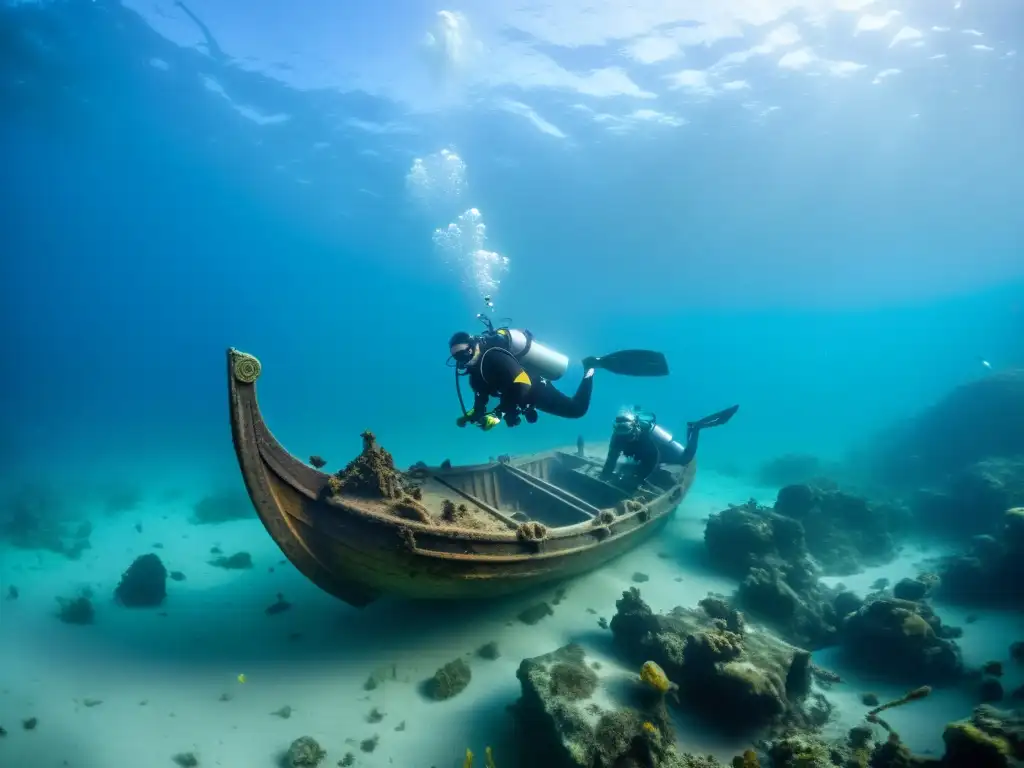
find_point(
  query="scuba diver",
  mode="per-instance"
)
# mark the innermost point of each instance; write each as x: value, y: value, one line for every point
x: 513, y: 366
x: 637, y: 435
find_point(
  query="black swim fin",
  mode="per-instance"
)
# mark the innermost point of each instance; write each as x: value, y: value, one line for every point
x: 630, y: 362
x: 715, y: 419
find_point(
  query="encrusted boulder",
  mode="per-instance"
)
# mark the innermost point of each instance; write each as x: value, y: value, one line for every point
x: 779, y: 579
x: 991, y: 571
x: 843, y: 531
x: 566, y: 720
x: 902, y: 639
x: 741, y: 678
x: 990, y: 738
x: 144, y: 584
x: 972, y: 500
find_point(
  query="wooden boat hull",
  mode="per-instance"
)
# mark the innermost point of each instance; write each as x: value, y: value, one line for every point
x: 357, y: 550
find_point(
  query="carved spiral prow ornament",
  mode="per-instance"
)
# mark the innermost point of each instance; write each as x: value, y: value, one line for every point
x: 246, y: 368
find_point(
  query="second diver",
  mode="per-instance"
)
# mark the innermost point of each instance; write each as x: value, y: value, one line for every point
x: 637, y: 436
x: 513, y: 366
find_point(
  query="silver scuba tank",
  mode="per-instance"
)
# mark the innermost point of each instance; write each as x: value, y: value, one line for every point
x: 661, y: 436
x: 537, y: 359
x: 669, y: 449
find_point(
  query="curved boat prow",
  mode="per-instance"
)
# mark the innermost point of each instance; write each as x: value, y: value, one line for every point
x: 279, y: 485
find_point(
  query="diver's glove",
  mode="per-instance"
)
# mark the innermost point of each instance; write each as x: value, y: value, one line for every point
x: 464, y: 419
x: 490, y: 421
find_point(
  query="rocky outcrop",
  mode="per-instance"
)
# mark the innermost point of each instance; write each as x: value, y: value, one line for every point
x: 740, y: 678
x: 144, y: 584
x: 972, y: 500
x: 779, y: 579
x: 990, y: 738
x: 843, y: 531
x: 901, y: 639
x: 974, y: 422
x: 564, y: 721
x: 992, y: 570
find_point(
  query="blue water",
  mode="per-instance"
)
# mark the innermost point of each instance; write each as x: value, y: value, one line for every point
x: 831, y: 265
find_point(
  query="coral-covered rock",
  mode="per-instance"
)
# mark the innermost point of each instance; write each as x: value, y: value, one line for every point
x: 564, y: 723
x: 779, y: 580
x: 991, y: 571
x: 972, y: 500
x: 843, y: 532
x: 742, y: 680
x: 911, y: 589
x: 991, y: 738
x: 144, y: 584
x: 902, y: 639
x: 450, y: 680
x: 304, y: 752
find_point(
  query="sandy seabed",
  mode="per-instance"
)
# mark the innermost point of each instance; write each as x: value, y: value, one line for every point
x: 140, y: 686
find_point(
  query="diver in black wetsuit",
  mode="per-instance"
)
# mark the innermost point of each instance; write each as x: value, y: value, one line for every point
x: 637, y: 436
x: 514, y: 367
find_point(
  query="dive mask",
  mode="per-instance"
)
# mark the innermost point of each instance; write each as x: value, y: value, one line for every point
x: 625, y: 423
x: 462, y: 353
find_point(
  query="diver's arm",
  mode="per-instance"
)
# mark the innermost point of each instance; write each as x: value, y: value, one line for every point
x: 508, y: 377
x: 614, y: 451
x: 479, y: 410
x: 647, y: 462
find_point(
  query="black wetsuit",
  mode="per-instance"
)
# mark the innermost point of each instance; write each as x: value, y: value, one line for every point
x: 498, y: 374
x: 647, y: 452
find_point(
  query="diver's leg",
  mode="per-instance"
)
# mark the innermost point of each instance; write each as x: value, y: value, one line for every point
x: 674, y: 453
x: 549, y: 400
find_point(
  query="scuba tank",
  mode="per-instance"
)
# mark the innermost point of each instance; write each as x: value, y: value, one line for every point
x: 537, y: 359
x: 661, y: 436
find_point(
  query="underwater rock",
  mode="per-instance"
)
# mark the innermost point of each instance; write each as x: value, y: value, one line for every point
x: 450, y: 680
x: 222, y: 507
x: 305, y: 752
x: 902, y: 639
x: 742, y: 680
x: 76, y: 610
x: 911, y: 589
x: 990, y: 738
x: 843, y: 532
x: 535, y: 613
x: 489, y: 651
x: 186, y: 759
x: 561, y: 725
x: 240, y: 561
x: 973, y: 500
x: 280, y: 605
x: 371, y: 474
x: 779, y: 580
x: 144, y: 584
x: 991, y: 572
